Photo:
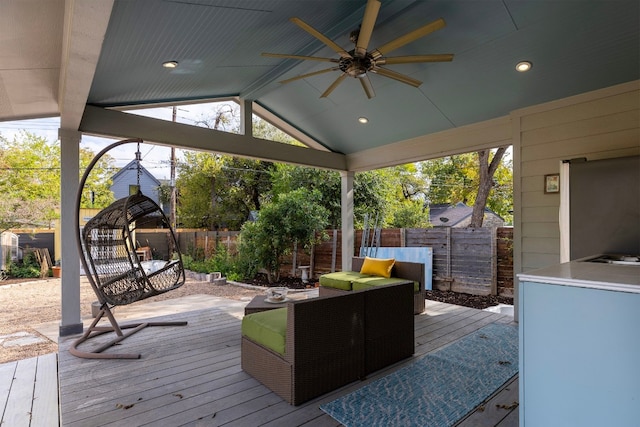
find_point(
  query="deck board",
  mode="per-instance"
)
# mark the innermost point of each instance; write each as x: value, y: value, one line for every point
x: 29, y: 392
x: 7, y: 371
x: 191, y: 375
x: 494, y: 411
x: 18, y: 410
x: 44, y: 411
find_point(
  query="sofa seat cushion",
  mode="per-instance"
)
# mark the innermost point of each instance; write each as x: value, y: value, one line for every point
x: 340, y: 279
x: 267, y: 328
x: 369, y: 282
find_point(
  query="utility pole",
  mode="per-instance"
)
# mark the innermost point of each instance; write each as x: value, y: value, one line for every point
x: 172, y: 203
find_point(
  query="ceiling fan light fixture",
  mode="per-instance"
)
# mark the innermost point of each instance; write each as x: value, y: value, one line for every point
x: 523, y: 66
x: 363, y: 120
x: 170, y: 64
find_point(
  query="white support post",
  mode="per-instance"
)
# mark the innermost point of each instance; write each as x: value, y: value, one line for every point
x: 346, y: 198
x: 70, y: 322
x: 246, y: 117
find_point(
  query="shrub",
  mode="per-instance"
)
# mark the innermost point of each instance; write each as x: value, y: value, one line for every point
x: 294, y: 217
x: 221, y: 261
x: 29, y: 267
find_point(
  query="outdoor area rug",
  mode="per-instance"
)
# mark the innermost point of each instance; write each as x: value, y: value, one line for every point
x: 437, y: 389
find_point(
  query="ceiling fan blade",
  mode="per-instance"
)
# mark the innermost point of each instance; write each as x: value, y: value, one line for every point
x: 415, y: 58
x: 397, y: 76
x: 408, y: 38
x: 324, y: 39
x: 366, y: 85
x: 334, y: 85
x: 366, y: 29
x: 312, y: 58
x: 304, y: 76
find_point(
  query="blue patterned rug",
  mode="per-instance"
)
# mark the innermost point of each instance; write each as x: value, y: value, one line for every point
x: 437, y: 389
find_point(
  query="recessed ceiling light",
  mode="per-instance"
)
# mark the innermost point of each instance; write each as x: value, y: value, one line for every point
x: 523, y: 66
x: 170, y: 64
x: 363, y: 120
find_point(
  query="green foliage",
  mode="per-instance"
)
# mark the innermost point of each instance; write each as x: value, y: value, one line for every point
x: 30, y: 183
x: 451, y: 179
x: 220, y: 191
x: 294, y: 217
x: 254, y: 249
x: 29, y: 267
x: 221, y: 261
x: 410, y: 214
x: 374, y: 191
x: 196, y: 183
x: 98, y: 184
x: 286, y: 178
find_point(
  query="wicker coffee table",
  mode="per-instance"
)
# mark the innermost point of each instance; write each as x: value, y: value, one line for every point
x: 259, y: 304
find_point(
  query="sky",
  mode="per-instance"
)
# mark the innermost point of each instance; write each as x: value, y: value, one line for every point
x: 155, y: 158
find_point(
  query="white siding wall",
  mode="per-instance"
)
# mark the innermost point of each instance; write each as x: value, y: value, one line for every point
x: 120, y: 185
x: 596, y: 125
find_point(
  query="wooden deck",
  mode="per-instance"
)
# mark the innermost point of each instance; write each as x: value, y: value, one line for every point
x: 192, y: 376
x: 29, y: 392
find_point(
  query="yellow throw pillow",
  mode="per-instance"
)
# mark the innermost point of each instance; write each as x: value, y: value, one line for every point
x: 377, y: 266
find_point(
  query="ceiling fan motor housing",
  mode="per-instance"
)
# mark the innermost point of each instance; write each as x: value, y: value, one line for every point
x: 356, y: 66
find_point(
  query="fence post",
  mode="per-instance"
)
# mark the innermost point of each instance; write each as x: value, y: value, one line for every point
x: 449, y: 255
x: 294, y: 259
x: 494, y: 260
x: 312, y: 262
x: 334, y: 250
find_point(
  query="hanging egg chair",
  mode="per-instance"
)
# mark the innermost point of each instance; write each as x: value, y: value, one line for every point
x: 119, y: 269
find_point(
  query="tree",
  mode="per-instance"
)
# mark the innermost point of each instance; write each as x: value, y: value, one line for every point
x: 410, y: 214
x: 450, y: 179
x: 97, y: 189
x: 292, y: 218
x: 218, y: 191
x: 17, y: 213
x: 247, y: 182
x: 454, y: 179
x: 30, y: 180
x: 487, y: 167
x: 374, y: 191
x: 198, y: 190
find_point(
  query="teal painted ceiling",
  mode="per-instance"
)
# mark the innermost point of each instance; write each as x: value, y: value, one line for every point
x: 575, y: 47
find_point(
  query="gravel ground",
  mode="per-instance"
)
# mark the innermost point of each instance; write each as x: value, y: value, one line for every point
x: 24, y: 304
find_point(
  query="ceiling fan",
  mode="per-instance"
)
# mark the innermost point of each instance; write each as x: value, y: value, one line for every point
x: 360, y: 61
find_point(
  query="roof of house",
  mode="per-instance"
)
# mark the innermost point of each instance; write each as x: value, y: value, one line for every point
x: 133, y: 165
x: 448, y: 214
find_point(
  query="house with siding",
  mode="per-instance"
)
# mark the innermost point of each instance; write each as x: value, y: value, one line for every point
x: 125, y: 182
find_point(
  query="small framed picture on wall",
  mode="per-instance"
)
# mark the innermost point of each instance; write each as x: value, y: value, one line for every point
x: 552, y: 183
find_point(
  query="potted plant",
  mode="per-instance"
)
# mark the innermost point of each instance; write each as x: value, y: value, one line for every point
x: 56, y: 270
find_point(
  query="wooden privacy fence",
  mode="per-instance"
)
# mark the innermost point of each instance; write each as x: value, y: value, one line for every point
x: 200, y: 242
x: 477, y: 261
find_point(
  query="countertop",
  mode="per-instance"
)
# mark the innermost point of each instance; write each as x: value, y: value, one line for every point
x: 621, y: 278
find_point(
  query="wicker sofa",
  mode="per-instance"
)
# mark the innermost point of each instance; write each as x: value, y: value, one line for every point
x: 402, y: 270
x: 332, y: 341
